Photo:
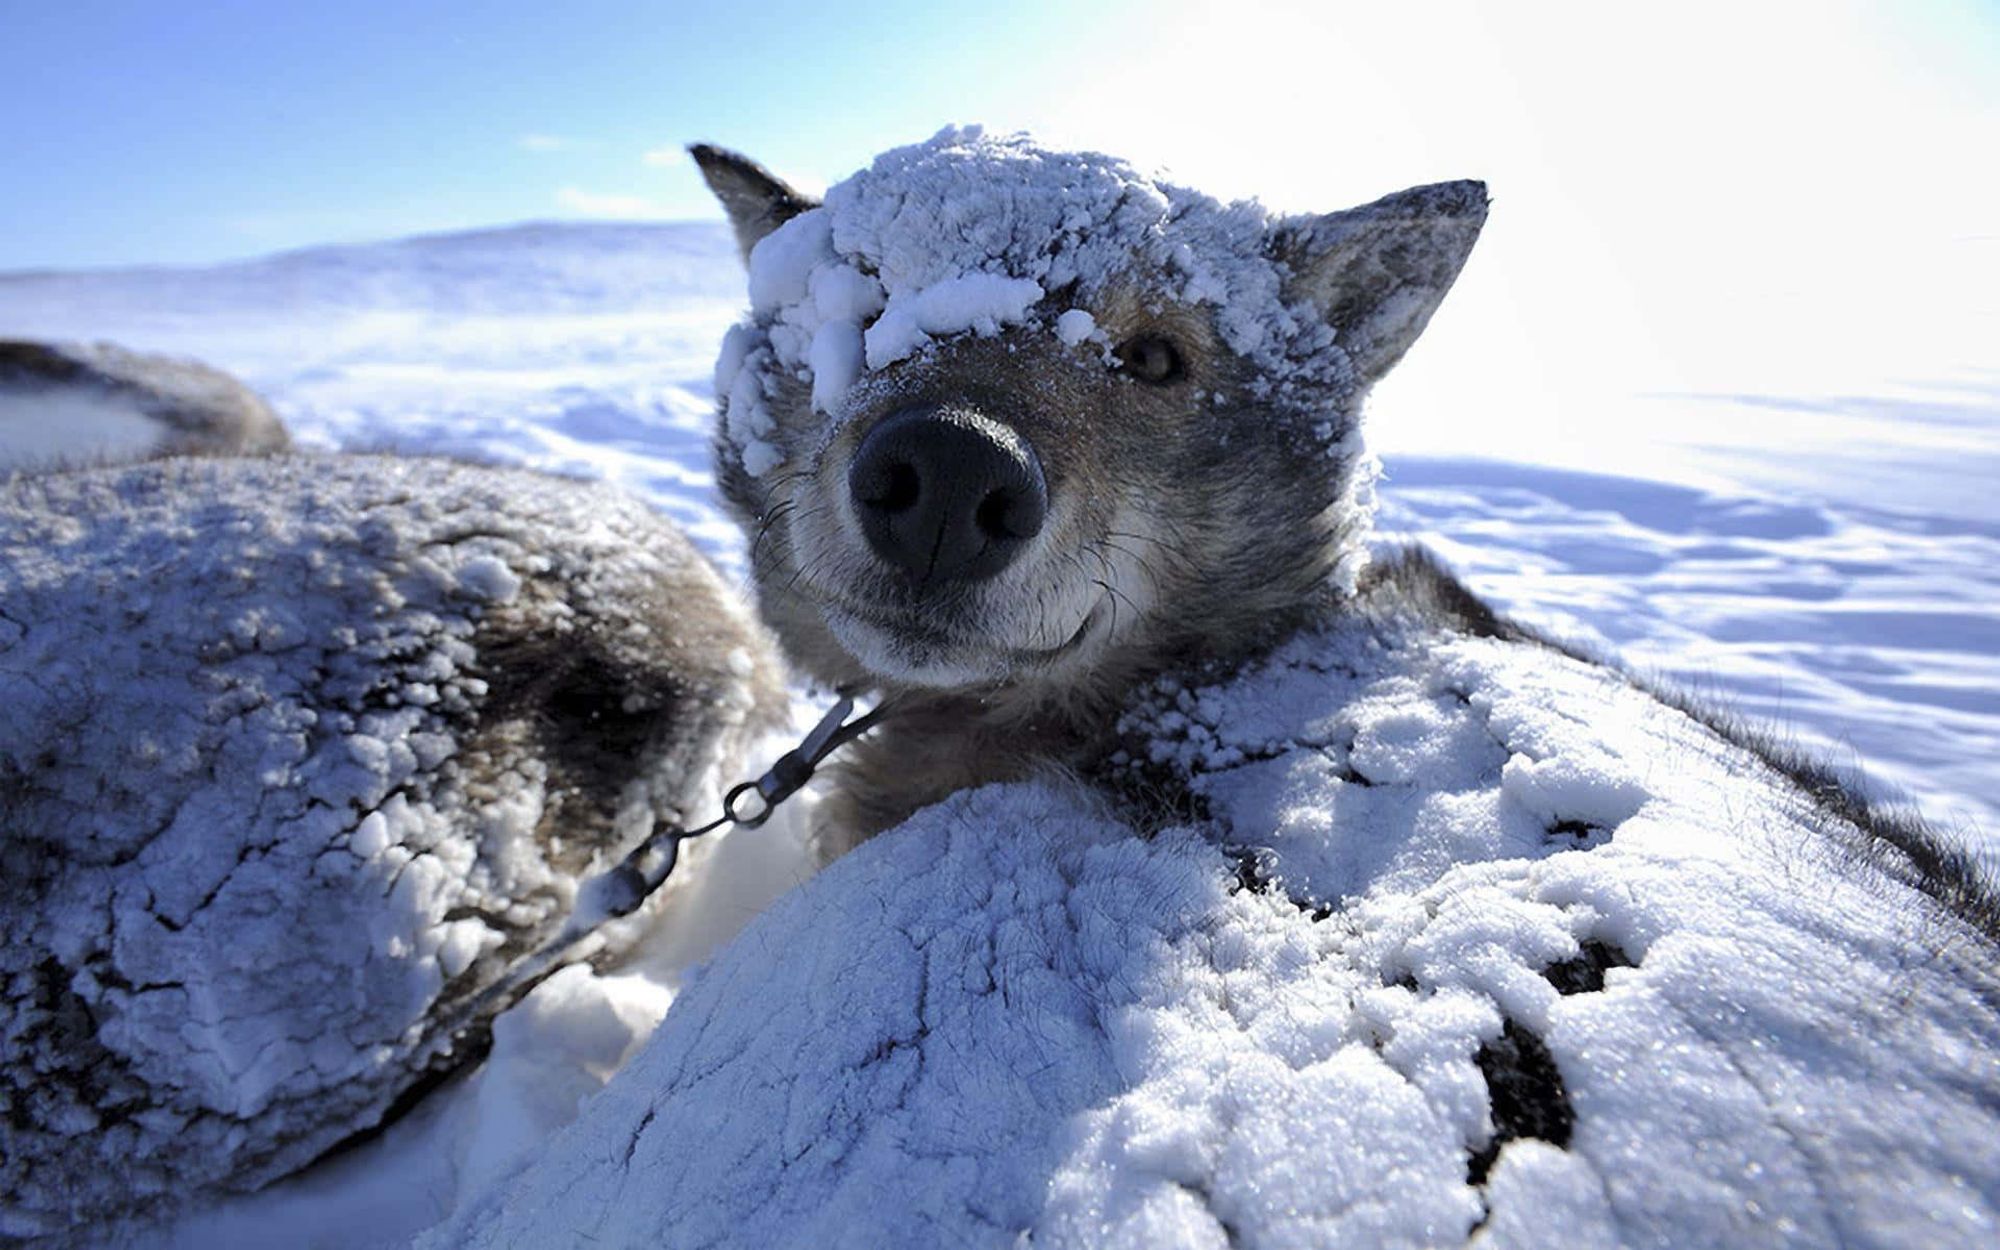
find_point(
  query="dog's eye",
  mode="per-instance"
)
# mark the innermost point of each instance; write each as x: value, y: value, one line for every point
x: 1152, y: 359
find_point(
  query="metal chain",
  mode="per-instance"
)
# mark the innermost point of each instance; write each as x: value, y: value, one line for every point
x: 637, y: 877
x: 647, y: 868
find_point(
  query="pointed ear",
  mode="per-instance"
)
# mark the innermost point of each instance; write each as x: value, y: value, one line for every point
x: 756, y: 200
x: 1378, y: 272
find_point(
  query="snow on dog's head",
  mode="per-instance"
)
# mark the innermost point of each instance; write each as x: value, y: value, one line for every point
x: 1003, y: 416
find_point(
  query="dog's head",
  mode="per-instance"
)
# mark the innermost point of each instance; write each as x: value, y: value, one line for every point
x: 1009, y: 418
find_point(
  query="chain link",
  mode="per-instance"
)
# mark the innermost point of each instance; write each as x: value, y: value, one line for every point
x: 622, y: 889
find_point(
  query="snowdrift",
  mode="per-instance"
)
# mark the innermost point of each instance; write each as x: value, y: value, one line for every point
x: 1472, y: 940
x: 297, y: 755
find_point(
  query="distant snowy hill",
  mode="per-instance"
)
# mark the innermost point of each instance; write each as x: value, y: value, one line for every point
x: 535, y: 267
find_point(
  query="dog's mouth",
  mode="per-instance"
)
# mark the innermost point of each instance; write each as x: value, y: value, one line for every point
x: 939, y: 552
x: 909, y: 648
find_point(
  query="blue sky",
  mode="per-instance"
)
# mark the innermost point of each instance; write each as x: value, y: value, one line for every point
x: 150, y: 132
x: 1712, y: 189
x: 190, y: 132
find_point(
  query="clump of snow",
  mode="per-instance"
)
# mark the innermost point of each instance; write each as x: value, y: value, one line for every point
x: 297, y: 756
x: 741, y: 379
x: 489, y: 578
x: 979, y: 302
x: 782, y: 263
x: 838, y: 352
x: 1394, y: 991
x: 969, y: 233
x: 1075, y: 326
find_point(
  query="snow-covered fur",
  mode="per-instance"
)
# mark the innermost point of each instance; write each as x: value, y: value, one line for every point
x: 297, y: 755
x: 93, y: 403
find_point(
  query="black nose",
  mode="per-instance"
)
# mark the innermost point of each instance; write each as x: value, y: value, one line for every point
x: 947, y: 494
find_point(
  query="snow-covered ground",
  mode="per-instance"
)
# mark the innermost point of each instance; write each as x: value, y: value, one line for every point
x: 1826, y: 561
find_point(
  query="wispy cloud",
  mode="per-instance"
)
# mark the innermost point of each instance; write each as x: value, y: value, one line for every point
x: 537, y: 142
x: 599, y: 204
x: 665, y: 155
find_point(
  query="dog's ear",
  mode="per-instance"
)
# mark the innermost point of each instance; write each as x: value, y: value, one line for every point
x: 1378, y: 272
x: 756, y: 200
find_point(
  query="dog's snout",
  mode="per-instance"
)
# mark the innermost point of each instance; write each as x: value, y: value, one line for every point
x: 947, y: 494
